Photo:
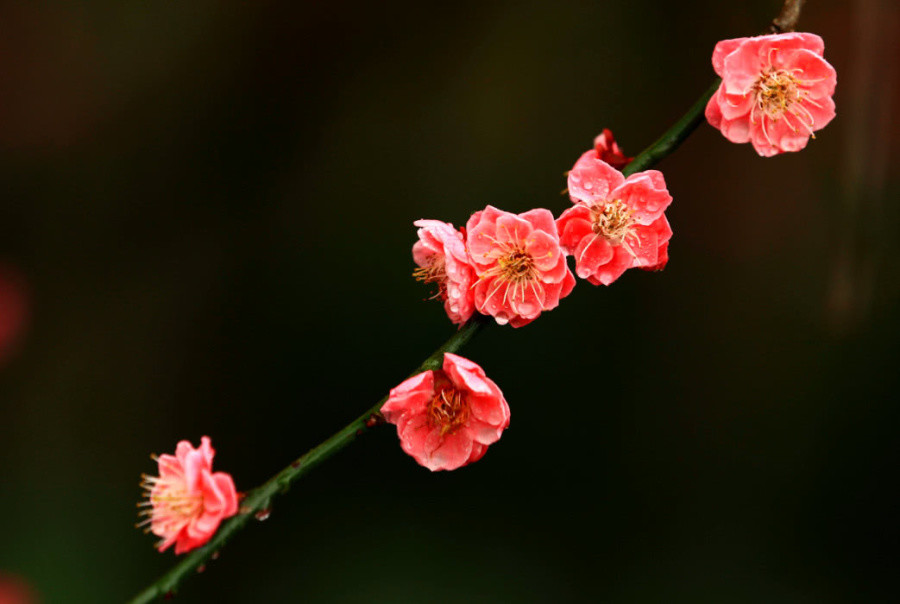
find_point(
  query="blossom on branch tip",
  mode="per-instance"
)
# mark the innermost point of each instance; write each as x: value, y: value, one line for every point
x: 616, y: 223
x: 446, y: 418
x: 187, y: 501
x: 606, y: 148
x: 776, y: 91
x: 520, y: 265
x: 440, y: 254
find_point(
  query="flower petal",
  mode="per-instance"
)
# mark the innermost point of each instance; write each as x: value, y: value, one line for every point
x: 645, y: 194
x: 591, y: 179
x: 452, y: 452
x: 410, y: 396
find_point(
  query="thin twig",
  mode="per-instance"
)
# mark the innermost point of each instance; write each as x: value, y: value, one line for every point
x: 258, y: 501
x: 674, y: 136
x: 787, y: 19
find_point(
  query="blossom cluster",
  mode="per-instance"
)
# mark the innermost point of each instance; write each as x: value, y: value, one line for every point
x: 514, y: 267
x: 775, y: 93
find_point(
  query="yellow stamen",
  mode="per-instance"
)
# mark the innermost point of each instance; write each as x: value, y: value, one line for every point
x: 434, y: 272
x: 448, y: 410
x: 614, y: 221
x: 777, y: 91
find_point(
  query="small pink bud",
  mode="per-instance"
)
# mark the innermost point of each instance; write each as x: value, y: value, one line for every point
x: 608, y: 150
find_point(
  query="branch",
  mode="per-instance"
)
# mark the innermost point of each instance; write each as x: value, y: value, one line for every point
x: 788, y: 17
x: 258, y: 501
x: 674, y: 136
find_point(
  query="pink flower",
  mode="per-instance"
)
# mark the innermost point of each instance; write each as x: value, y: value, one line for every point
x: 520, y: 266
x: 616, y: 223
x: 606, y: 148
x: 776, y: 91
x: 441, y: 256
x: 447, y: 418
x: 187, y: 501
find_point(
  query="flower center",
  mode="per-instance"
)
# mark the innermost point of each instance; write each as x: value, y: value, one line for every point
x: 516, y: 266
x: 776, y: 90
x: 434, y: 272
x: 169, y: 506
x: 613, y: 221
x: 448, y: 409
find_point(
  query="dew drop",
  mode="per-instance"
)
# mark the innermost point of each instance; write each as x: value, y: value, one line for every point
x: 263, y: 514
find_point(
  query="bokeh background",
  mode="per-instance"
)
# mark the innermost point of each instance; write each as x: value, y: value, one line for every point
x: 206, y: 225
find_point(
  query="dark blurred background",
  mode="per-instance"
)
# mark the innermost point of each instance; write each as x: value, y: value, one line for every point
x: 206, y: 227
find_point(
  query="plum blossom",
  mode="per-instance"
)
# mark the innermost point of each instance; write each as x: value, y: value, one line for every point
x: 440, y: 254
x: 606, y: 148
x: 520, y: 265
x: 187, y: 501
x: 616, y: 223
x: 776, y: 91
x: 446, y: 418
